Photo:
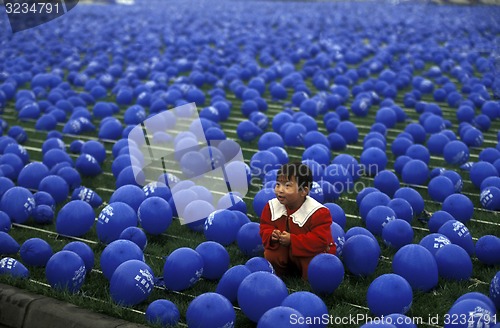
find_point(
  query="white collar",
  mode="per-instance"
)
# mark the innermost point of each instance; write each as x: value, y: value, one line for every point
x: 300, y: 216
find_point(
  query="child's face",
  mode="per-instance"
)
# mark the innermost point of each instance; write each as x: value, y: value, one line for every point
x: 288, y: 192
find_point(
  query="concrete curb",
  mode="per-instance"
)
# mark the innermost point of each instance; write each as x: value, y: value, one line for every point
x: 22, y: 309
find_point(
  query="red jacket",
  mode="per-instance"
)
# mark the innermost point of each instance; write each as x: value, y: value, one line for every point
x: 309, y: 227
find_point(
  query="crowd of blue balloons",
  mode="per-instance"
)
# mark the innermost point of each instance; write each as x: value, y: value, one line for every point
x: 104, y: 70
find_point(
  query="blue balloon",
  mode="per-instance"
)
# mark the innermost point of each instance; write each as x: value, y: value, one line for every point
x: 65, y: 271
x: 84, y: 251
x: 361, y: 255
x: 339, y: 176
x: 8, y: 244
x: 374, y: 160
x: 378, y: 217
x: 95, y: 149
x: 31, y: 175
x: 111, y: 130
x: 55, y: 156
x: 231, y: 280
x: 259, y: 264
x: 198, y: 313
x: 215, y: 259
x: 135, y: 235
x: 337, y: 142
x: 365, y: 191
x: 280, y: 153
x: 400, y: 145
x: 458, y: 234
x: 309, y: 305
x: 248, y: 131
x: 118, y: 252
x: 76, y: 218
x: 35, y: 252
x: 489, y: 155
x: 413, y: 197
x: 259, y: 292
x: 249, y: 240
x: 455, y: 178
x: 87, y: 165
x: 87, y: 195
x: 417, y: 265
x: 56, y: 186
x: 371, y: 200
x: 71, y: 176
x: 18, y: 133
x: 459, y: 206
x: 282, y: 316
x: 5, y: 223
x: 241, y: 218
x: 233, y: 202
x: 456, y: 152
x: 495, y: 290
x: 437, y: 219
x: 182, y: 269
x: 400, y: 162
x: 453, y: 262
x: 478, y: 314
x: 5, y: 184
x: 162, y: 312
x: 434, y: 241
x: 262, y: 162
x: 487, y: 249
x: 18, y: 203
x: 221, y: 226
x: 480, y: 171
x: 436, y: 143
x: 401, y: 321
x: 132, y: 283
x: 440, y: 188
x: 386, y: 116
x: 318, y: 153
x: 415, y: 172
x: 349, y: 131
x: 389, y: 293
x: 325, y: 273
x: 491, y: 181
x: 417, y: 131
x: 155, y: 215
x: 196, y: 213
x: 270, y: 139
x: 359, y: 231
x: 402, y: 208
x: 397, y: 233
x: 477, y: 296
x: 387, y: 182
x: 13, y: 268
x: 113, y: 219
x: 261, y: 198
x: 157, y: 189
x: 338, y: 214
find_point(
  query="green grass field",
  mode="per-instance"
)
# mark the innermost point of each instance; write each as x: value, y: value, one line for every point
x: 348, y: 300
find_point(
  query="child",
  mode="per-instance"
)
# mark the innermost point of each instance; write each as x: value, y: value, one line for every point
x: 295, y: 227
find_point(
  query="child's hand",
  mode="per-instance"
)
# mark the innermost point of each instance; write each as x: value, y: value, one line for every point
x: 275, y: 236
x: 284, y: 238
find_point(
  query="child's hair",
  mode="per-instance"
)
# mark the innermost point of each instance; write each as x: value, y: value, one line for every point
x: 301, y: 172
